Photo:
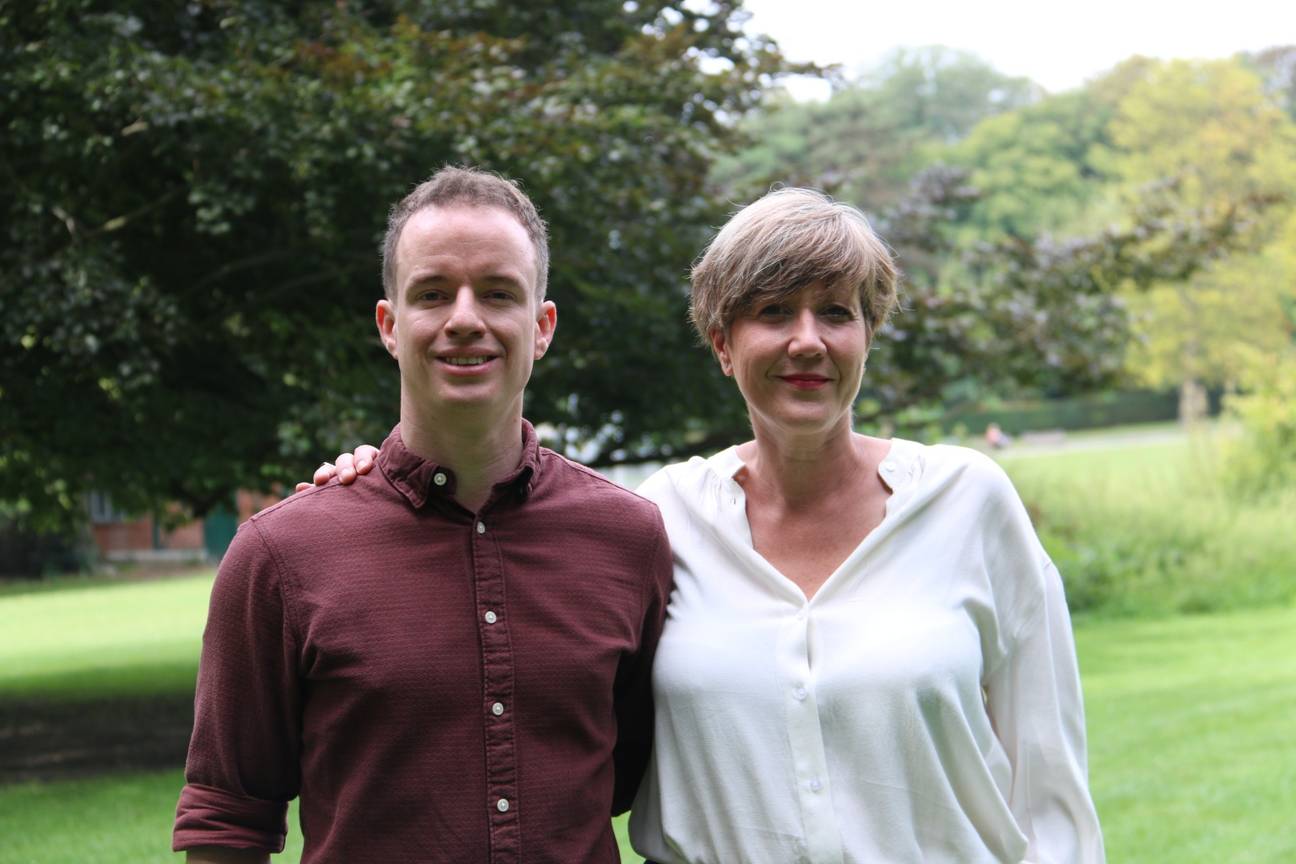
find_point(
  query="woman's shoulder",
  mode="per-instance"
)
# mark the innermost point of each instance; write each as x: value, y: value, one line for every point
x: 951, y: 466
x: 692, y: 478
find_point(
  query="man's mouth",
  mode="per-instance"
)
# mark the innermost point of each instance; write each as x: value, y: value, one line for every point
x: 465, y: 361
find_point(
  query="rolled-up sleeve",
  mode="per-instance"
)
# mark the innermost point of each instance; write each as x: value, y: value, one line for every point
x: 1035, y: 703
x: 244, y: 756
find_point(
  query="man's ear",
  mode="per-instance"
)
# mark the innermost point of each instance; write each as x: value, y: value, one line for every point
x: 720, y: 346
x: 546, y: 323
x: 385, y: 317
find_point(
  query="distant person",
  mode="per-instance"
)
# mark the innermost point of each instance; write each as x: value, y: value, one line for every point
x: 868, y: 656
x: 996, y: 438
x: 450, y: 662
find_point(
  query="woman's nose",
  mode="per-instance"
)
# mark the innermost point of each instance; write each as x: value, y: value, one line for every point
x: 806, y: 335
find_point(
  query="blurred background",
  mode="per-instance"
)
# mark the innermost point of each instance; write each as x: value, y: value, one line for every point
x: 1094, y: 206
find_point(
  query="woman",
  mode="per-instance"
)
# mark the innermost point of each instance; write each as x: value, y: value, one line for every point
x: 867, y: 656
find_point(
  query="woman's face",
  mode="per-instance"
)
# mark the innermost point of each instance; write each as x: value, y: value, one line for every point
x: 798, y: 362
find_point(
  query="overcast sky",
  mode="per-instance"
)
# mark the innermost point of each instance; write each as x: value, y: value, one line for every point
x: 1057, y: 44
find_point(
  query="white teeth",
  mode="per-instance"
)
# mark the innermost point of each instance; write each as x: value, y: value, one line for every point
x: 466, y: 361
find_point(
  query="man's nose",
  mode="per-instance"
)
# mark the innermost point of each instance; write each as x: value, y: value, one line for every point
x: 465, y: 313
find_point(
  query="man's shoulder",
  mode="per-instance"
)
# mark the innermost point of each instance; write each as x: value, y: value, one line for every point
x: 320, y: 507
x: 583, y: 487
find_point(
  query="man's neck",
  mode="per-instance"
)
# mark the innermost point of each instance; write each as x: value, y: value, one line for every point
x: 480, y: 451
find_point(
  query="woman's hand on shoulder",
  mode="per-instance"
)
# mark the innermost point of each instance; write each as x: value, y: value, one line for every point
x: 348, y: 467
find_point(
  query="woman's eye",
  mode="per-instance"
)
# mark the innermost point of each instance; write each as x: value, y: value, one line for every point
x: 844, y: 313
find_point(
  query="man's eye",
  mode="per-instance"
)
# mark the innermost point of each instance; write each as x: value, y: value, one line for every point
x: 773, y: 310
x: 842, y: 313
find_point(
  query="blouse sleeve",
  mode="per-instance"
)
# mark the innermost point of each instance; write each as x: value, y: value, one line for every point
x: 1034, y: 701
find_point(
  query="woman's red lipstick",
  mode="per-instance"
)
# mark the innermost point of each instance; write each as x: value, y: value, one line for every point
x: 805, y: 382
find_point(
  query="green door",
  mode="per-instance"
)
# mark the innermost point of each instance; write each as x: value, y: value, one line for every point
x: 218, y: 529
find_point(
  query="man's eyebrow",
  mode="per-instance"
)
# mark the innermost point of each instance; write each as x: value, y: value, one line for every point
x: 421, y: 277
x: 502, y: 279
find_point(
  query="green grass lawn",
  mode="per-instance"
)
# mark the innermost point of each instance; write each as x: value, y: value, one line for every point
x: 119, y: 820
x: 1191, y: 754
x: 103, y: 638
x: 1192, y: 744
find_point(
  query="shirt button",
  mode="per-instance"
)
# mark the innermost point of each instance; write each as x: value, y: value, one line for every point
x: 490, y: 616
x: 502, y: 805
x: 801, y: 615
x: 481, y: 527
x: 439, y: 478
x: 888, y: 465
x: 815, y: 785
x: 799, y: 694
x: 497, y: 709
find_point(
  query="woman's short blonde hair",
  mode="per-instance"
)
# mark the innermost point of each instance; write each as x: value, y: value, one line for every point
x: 783, y: 242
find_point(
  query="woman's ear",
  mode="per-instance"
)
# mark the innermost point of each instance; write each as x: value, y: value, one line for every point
x: 720, y: 347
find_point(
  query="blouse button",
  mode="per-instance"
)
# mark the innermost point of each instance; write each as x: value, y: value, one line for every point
x: 439, y: 478
x: 481, y: 527
x: 815, y: 785
x: 502, y: 805
x: 800, y: 694
x: 490, y: 616
x: 497, y: 709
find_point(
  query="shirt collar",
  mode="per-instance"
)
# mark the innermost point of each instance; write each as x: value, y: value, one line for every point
x: 420, y: 480
x: 900, y: 467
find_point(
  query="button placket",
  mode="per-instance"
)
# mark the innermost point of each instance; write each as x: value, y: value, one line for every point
x: 498, y: 681
x: 805, y: 734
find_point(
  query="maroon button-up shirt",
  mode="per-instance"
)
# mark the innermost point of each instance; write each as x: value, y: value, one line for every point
x: 436, y: 685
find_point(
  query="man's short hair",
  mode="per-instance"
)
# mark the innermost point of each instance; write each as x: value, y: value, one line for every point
x: 783, y: 242
x: 470, y: 187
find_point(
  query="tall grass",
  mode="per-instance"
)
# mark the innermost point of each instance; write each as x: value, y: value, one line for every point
x: 1158, y: 528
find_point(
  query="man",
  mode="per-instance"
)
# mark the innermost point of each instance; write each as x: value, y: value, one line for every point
x: 450, y: 660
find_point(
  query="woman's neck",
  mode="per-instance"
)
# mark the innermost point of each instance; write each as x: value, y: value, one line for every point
x: 801, y: 468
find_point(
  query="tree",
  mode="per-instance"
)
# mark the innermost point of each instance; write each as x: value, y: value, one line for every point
x: 1212, y: 143
x: 194, y: 193
x: 1009, y: 313
x: 875, y: 134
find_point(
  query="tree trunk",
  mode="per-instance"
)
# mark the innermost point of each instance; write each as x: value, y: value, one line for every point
x: 1192, y: 402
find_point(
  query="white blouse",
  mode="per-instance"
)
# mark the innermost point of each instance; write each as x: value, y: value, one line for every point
x: 924, y: 706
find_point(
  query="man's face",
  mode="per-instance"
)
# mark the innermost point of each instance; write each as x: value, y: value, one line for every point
x: 464, y: 323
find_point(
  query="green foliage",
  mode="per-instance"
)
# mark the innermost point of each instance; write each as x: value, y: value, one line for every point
x: 1158, y: 529
x: 1211, y: 139
x: 1263, y: 460
x: 1033, y: 167
x: 194, y: 193
x: 1093, y: 411
x: 875, y: 134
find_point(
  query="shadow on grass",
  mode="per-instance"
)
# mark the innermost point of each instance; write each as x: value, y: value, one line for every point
x: 44, y: 738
